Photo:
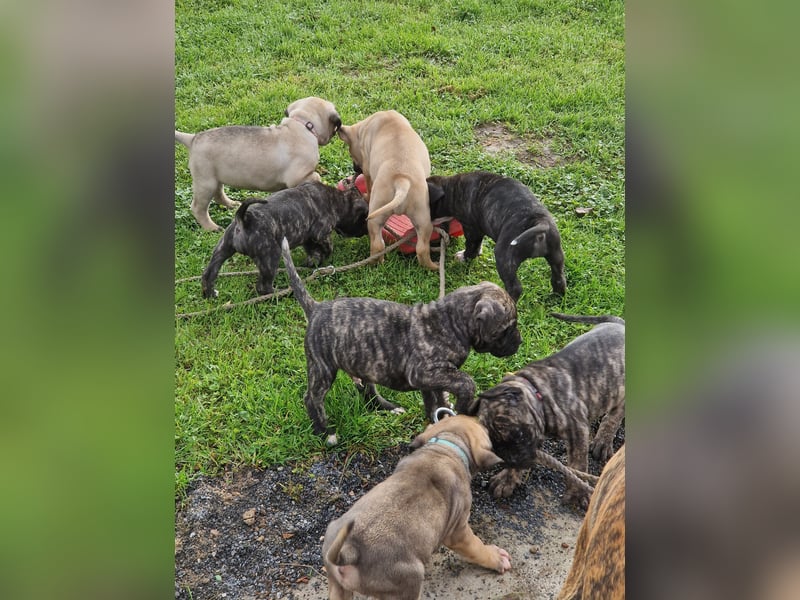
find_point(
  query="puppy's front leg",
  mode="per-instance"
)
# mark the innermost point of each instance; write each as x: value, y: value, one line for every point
x: 505, y: 482
x: 578, y: 458
x: 468, y: 545
x: 371, y: 396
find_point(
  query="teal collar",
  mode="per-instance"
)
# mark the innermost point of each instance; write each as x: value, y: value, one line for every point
x: 461, y: 453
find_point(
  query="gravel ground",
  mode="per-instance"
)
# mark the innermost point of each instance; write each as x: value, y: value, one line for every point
x: 257, y: 533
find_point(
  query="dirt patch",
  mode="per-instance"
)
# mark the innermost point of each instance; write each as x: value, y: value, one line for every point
x: 256, y: 534
x: 495, y: 139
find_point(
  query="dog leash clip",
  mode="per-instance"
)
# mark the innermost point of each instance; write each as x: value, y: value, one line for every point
x: 444, y: 410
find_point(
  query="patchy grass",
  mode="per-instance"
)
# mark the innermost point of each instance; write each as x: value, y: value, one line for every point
x: 549, y: 73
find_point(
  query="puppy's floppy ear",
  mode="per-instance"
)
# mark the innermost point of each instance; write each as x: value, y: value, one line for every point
x: 485, y: 458
x: 422, y: 438
x: 484, y: 309
x: 335, y: 121
x: 344, y: 134
x: 435, y: 193
x: 286, y: 112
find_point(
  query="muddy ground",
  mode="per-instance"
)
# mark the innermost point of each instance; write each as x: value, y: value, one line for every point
x: 256, y: 534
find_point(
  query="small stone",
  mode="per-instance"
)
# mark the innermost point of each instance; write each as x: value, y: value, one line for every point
x: 214, y: 532
x: 564, y: 545
x: 249, y: 516
x: 534, y: 549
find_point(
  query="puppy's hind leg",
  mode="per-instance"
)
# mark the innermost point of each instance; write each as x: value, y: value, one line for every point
x: 222, y: 252
x: 374, y: 400
x: 222, y: 199
x: 202, y: 193
x: 320, y: 379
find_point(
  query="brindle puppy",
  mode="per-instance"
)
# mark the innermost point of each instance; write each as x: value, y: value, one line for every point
x: 402, y: 347
x: 305, y: 215
x: 507, y: 211
x: 598, y: 567
x: 560, y: 396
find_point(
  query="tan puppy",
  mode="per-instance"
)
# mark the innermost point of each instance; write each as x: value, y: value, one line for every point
x: 395, y: 163
x: 598, y: 568
x: 258, y: 158
x: 380, y: 546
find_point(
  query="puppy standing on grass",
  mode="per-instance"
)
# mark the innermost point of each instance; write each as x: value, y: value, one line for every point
x: 258, y: 158
x: 505, y: 210
x: 381, y: 545
x: 598, y: 567
x: 395, y: 163
x: 560, y: 396
x: 418, y: 347
x: 305, y: 215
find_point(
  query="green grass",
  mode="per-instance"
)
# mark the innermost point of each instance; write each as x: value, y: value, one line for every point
x: 546, y: 69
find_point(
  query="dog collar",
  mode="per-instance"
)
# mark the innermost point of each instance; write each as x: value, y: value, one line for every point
x: 461, y: 453
x: 309, y: 127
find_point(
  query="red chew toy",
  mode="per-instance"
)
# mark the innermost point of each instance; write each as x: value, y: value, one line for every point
x: 398, y: 226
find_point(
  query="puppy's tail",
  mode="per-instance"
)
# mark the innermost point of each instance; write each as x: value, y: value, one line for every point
x: 400, y: 193
x: 184, y: 138
x: 346, y: 575
x: 536, y: 233
x: 300, y: 292
x: 594, y: 320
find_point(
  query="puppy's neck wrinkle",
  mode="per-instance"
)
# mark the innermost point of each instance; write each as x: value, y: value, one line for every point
x: 452, y: 445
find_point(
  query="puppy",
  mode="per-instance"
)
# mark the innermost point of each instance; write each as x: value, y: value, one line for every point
x: 258, y: 158
x: 395, y: 163
x: 598, y: 567
x: 560, y: 396
x: 380, y: 546
x: 402, y: 347
x: 505, y: 210
x: 305, y: 215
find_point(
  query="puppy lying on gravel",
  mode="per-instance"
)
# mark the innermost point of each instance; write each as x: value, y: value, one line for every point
x: 380, y: 546
x: 505, y: 210
x: 305, y: 215
x: 561, y: 396
x: 403, y: 347
x: 598, y: 567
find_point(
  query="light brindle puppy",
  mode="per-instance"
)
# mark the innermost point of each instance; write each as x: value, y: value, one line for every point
x: 598, y: 567
x: 258, y: 158
x: 395, y: 163
x: 380, y: 546
x: 402, y: 347
x: 305, y: 215
x: 560, y: 396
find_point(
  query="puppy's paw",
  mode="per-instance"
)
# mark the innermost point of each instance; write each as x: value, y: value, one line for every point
x: 398, y: 411
x: 332, y: 440
x: 504, y: 483
x: 503, y: 560
x: 212, y: 293
x: 460, y: 256
x: 577, y: 497
x: 601, y: 450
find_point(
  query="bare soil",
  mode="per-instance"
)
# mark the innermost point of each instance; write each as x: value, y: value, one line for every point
x: 255, y: 534
x: 537, y: 152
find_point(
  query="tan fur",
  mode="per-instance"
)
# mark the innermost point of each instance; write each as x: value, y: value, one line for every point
x: 395, y: 163
x: 258, y: 158
x: 598, y: 567
x: 380, y: 546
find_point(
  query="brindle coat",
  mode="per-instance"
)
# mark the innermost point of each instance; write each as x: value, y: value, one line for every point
x: 305, y: 215
x: 402, y: 347
x: 598, y: 567
x: 560, y: 396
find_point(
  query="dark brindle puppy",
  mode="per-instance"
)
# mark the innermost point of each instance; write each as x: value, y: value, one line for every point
x: 506, y: 211
x: 402, y: 347
x: 560, y: 396
x: 305, y: 215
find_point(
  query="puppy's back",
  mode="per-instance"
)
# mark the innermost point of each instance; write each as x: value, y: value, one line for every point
x: 598, y: 567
